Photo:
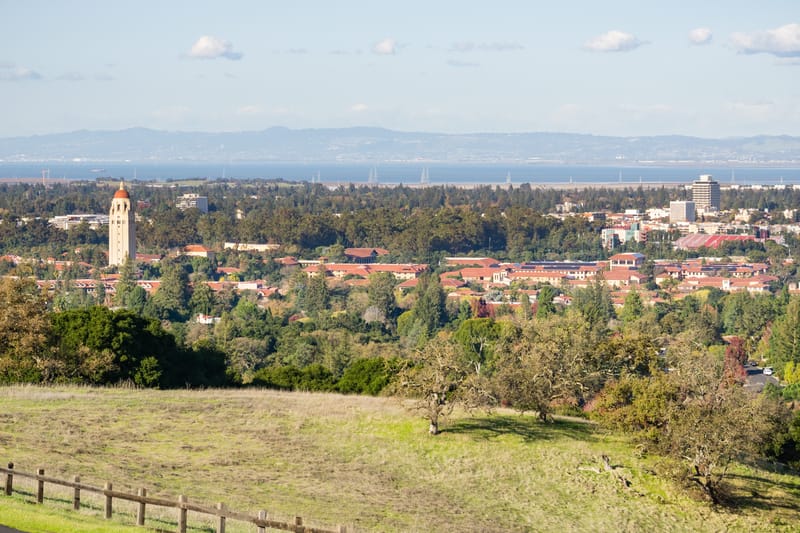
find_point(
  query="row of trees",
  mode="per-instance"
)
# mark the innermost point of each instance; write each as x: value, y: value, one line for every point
x: 94, y: 345
x: 415, y: 224
x: 677, y: 396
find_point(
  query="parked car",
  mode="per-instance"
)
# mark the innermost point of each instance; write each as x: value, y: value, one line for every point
x: 768, y: 370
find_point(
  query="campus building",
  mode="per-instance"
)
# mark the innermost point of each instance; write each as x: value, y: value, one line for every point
x: 681, y: 212
x: 189, y: 201
x: 705, y: 193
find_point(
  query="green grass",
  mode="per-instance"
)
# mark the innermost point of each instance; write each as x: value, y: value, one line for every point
x: 31, y: 518
x: 363, y: 462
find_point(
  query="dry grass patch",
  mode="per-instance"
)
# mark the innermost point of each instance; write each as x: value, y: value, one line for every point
x: 360, y: 461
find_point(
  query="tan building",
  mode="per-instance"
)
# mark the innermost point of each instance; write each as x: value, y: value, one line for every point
x: 121, y: 228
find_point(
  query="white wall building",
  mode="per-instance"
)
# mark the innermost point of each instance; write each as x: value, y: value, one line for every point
x: 681, y: 212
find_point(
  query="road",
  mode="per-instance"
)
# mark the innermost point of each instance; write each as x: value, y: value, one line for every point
x: 756, y: 379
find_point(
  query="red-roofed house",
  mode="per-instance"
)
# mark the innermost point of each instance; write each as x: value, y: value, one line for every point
x: 485, y: 262
x: 626, y: 261
x: 623, y: 278
x: 197, y: 250
x: 364, y: 255
x: 340, y: 270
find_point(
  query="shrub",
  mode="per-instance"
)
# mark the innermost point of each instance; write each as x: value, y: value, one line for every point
x: 366, y: 376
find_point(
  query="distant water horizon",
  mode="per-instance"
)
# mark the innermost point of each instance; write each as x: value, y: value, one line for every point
x: 405, y: 173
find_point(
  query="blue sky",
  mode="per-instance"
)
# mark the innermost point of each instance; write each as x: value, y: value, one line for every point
x: 711, y: 69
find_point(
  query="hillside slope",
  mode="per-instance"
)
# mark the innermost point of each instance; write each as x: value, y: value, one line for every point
x: 366, y: 462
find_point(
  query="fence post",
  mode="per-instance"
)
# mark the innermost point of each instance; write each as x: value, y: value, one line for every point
x: 107, y: 492
x: 181, y: 514
x: 9, y: 479
x: 39, y: 486
x: 142, y: 493
x: 298, y: 524
x: 221, y: 509
x: 76, y: 494
x: 342, y: 529
x: 262, y: 515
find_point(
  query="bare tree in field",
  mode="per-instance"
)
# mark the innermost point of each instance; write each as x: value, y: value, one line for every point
x: 439, y: 377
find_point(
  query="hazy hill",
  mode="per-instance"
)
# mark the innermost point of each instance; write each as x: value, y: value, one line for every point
x: 376, y: 144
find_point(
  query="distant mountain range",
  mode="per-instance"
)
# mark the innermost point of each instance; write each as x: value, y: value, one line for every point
x: 355, y: 145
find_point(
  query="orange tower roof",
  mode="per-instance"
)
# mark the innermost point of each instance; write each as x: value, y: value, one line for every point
x: 121, y: 192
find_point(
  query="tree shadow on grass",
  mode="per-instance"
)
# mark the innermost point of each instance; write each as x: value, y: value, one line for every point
x: 530, y: 428
x: 759, y: 494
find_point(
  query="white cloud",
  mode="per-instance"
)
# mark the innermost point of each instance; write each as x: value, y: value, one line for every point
x: 210, y: 47
x: 10, y: 72
x: 700, y: 36
x: 613, y: 41
x: 358, y: 108
x: 385, y: 47
x: 780, y: 42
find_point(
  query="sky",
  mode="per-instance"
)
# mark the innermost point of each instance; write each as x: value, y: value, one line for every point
x: 711, y: 68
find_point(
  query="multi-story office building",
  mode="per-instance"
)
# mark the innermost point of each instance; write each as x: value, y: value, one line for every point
x: 188, y: 201
x: 705, y: 193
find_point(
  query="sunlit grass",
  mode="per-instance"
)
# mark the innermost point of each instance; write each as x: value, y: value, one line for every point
x: 364, y: 462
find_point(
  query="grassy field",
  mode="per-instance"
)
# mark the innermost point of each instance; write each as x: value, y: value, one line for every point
x: 363, y: 462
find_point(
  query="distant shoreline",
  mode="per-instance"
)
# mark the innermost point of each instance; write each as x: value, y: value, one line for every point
x: 533, y: 185
x: 361, y: 184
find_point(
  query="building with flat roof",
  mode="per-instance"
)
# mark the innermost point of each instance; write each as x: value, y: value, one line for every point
x: 705, y: 193
x: 681, y: 211
x: 188, y: 201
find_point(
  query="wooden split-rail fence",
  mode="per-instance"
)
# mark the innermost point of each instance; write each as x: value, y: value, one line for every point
x: 182, y: 504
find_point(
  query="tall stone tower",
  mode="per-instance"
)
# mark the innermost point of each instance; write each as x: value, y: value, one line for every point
x: 121, y: 228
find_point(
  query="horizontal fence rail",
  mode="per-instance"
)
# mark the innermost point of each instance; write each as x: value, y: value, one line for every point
x: 182, y: 504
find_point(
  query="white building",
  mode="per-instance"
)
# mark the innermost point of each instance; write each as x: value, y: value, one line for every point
x: 681, y: 212
x: 67, y: 222
x: 706, y: 193
x: 121, y: 228
x: 188, y: 201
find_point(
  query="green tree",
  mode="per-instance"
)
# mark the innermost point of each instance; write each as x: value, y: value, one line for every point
x: 99, y: 287
x: 24, y: 331
x: 426, y: 315
x: 203, y: 300
x: 547, y: 361
x: 633, y: 308
x: 171, y: 300
x: 317, y: 295
x: 381, y: 293
x: 784, y: 343
x: 477, y: 337
x: 594, y: 303
x: 123, y: 290
x: 544, y: 302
